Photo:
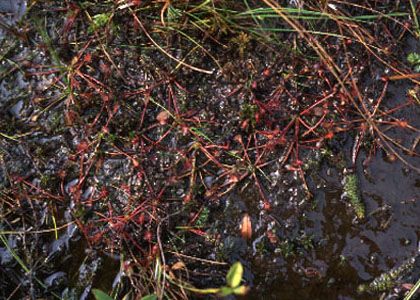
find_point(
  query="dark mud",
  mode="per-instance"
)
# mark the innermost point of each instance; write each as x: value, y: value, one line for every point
x: 77, y: 157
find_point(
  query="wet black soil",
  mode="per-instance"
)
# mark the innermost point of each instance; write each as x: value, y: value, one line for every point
x: 179, y: 152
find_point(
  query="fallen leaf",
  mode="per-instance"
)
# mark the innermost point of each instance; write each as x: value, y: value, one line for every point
x: 178, y: 265
x: 246, y: 227
x: 162, y: 117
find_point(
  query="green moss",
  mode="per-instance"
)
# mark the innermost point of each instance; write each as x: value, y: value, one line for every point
x: 99, y: 21
x: 45, y: 179
x: 203, y: 218
x: 414, y: 60
x: 286, y: 248
x: 248, y: 112
x: 388, y: 280
x: 352, y: 192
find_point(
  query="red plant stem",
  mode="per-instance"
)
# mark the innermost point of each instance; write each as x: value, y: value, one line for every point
x: 315, y: 126
x: 381, y: 97
x: 304, y: 112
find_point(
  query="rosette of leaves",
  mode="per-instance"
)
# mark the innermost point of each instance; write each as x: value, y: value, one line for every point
x: 414, y: 60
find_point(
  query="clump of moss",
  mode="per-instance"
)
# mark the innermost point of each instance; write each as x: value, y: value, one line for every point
x: 99, y: 21
x: 352, y: 193
x: 414, y: 60
x: 388, y: 280
x: 248, y: 112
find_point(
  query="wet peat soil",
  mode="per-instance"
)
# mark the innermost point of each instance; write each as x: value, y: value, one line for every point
x: 113, y: 154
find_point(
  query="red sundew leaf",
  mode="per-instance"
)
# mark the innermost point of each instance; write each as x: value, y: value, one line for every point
x: 68, y: 23
x: 184, y: 130
x: 233, y: 178
x: 105, y: 129
x: 272, y: 237
x: 266, y: 205
x: 103, y: 193
x: 311, y: 272
x: 69, y: 117
x: 135, y: 140
x: 238, y: 138
x: 105, y: 97
x: 254, y: 85
x: 329, y: 135
x: 197, y: 232
x: 266, y: 72
x: 115, y: 108
x: 82, y: 146
x: 318, y: 111
x: 140, y: 219
x: 87, y: 58
x: 407, y: 286
x: 155, y: 249
x: 125, y: 188
x: 297, y: 163
x: 135, y: 162
x: 187, y: 198
x: 104, y: 68
x: 244, y: 124
x: 148, y: 236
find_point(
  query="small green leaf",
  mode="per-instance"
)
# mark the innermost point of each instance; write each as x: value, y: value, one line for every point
x: 225, y: 291
x: 234, y: 275
x: 240, y: 290
x: 126, y: 297
x: 149, y: 297
x: 413, y: 58
x: 99, y: 295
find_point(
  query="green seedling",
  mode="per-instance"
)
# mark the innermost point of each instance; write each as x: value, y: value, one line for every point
x: 233, y: 280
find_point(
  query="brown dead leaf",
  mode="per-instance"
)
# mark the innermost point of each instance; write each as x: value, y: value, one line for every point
x: 178, y: 265
x: 162, y: 117
x: 246, y: 227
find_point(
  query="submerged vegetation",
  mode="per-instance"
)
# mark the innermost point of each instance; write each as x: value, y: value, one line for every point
x: 352, y: 192
x: 166, y: 144
x: 388, y: 280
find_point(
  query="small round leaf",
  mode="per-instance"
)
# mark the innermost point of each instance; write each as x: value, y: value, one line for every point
x: 234, y: 275
x: 99, y: 295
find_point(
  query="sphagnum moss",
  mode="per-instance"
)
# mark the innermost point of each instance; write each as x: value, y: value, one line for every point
x: 352, y: 193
